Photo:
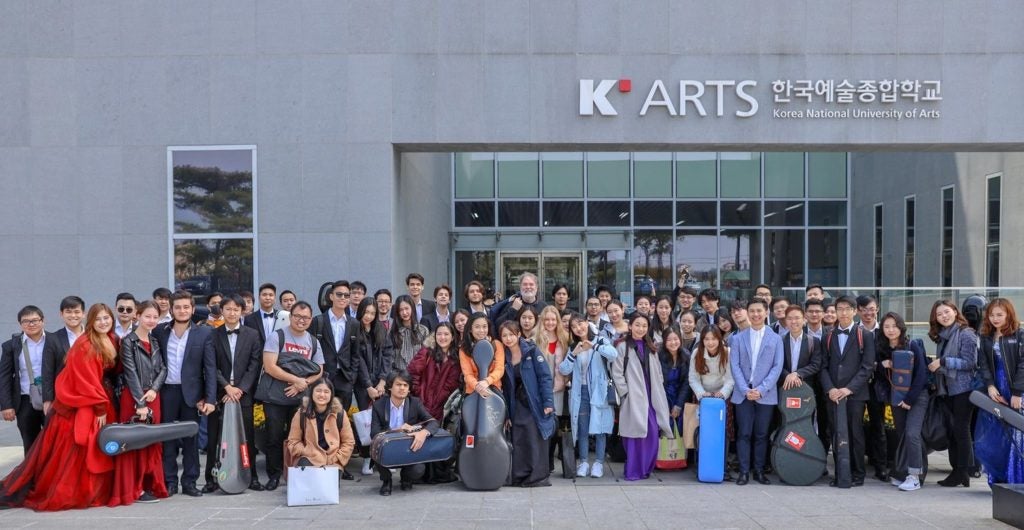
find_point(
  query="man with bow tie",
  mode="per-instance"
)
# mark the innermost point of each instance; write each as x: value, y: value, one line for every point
x: 266, y: 320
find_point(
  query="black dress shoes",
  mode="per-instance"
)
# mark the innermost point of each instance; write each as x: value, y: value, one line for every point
x: 210, y: 487
x: 345, y: 475
x: 255, y: 485
x: 385, y: 488
x: 406, y: 485
x: 172, y: 490
x: 743, y: 479
x: 857, y: 481
x: 761, y: 479
x: 272, y: 484
x: 191, y: 491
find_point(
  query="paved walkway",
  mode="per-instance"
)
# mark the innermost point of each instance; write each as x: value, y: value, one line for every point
x: 667, y: 500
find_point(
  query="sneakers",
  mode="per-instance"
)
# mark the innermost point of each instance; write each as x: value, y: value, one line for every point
x: 598, y: 470
x: 895, y: 482
x: 583, y: 469
x: 366, y: 467
x: 911, y: 484
x: 147, y: 498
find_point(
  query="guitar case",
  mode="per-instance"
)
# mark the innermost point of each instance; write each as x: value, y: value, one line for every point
x: 1006, y: 414
x: 798, y: 456
x: 234, y: 465
x: 711, y: 440
x: 117, y: 438
x: 841, y: 447
x: 485, y: 456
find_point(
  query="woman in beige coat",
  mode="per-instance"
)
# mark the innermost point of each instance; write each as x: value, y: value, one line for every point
x: 321, y: 434
x: 643, y: 412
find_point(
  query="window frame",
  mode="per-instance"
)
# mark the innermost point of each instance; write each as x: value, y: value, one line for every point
x: 998, y: 244
x: 942, y: 234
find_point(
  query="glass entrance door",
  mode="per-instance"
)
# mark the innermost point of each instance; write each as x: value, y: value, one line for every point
x: 551, y: 268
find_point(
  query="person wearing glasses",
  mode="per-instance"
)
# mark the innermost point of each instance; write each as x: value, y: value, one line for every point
x: 16, y: 375
x: 125, y: 306
x: 383, y: 298
x: 294, y: 339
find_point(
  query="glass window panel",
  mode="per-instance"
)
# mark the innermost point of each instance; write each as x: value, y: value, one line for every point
x: 518, y: 213
x: 610, y: 268
x: 653, y: 213
x: 474, y: 214
x: 563, y: 175
x: 994, y: 196
x: 518, y: 175
x: 827, y: 213
x: 696, y: 175
x: 652, y: 262
x: 696, y: 213
x: 784, y: 213
x: 826, y: 261
x: 474, y: 175
x: 473, y: 265
x: 992, y: 272
x: 826, y: 175
x: 741, y: 213
x: 784, y: 175
x: 212, y: 191
x: 739, y: 259
x: 202, y: 266
x: 567, y: 270
x: 784, y: 258
x: 741, y: 174
x: 652, y: 175
x: 608, y: 175
x: 608, y: 213
x: 513, y: 266
x: 697, y: 250
x: 563, y: 213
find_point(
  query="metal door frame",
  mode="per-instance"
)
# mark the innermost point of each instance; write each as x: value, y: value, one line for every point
x: 541, y: 255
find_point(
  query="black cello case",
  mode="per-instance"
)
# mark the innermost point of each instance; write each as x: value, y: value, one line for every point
x: 797, y: 454
x: 485, y: 456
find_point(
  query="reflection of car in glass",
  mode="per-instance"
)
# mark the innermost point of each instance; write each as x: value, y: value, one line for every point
x: 197, y: 285
x: 644, y: 285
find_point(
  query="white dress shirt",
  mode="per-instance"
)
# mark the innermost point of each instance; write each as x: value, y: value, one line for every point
x: 756, y: 336
x: 232, y: 341
x: 35, y: 354
x: 397, y: 415
x: 176, y: 355
x: 338, y: 325
x: 794, y: 351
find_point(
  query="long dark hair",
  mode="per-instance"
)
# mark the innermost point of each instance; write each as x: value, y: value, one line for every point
x: 309, y: 407
x: 630, y: 341
x: 664, y: 355
x: 438, y: 354
x: 467, y: 337
x: 396, y: 327
x: 884, y: 348
x: 376, y: 336
x: 933, y: 323
x: 656, y: 324
x: 573, y: 339
x: 698, y: 351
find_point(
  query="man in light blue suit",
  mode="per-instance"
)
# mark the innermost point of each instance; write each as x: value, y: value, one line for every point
x: 756, y: 357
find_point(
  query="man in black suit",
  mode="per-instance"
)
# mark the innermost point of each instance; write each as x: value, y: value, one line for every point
x: 402, y: 411
x: 16, y: 375
x: 239, y: 354
x: 849, y: 355
x: 336, y: 332
x: 190, y: 389
x: 72, y: 312
x: 708, y: 299
x: 414, y: 283
x: 802, y: 362
x: 266, y: 319
x: 442, y: 311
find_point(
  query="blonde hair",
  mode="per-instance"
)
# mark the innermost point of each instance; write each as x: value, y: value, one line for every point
x: 540, y: 337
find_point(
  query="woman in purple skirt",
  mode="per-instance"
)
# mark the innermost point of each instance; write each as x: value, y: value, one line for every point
x: 643, y: 411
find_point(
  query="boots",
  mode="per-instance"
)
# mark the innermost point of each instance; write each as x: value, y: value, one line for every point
x: 958, y: 477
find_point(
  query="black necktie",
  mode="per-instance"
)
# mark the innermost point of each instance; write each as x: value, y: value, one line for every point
x: 233, y: 331
x: 843, y: 331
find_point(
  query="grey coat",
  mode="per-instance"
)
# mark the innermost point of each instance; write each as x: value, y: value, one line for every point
x: 633, y: 398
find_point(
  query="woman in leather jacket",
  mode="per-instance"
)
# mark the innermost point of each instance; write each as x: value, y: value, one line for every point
x: 139, y: 475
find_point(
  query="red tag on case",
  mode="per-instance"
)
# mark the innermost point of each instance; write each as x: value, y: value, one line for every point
x: 245, y: 456
x: 470, y: 440
x: 795, y: 441
x: 793, y: 403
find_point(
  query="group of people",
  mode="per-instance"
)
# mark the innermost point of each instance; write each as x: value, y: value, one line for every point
x: 598, y: 372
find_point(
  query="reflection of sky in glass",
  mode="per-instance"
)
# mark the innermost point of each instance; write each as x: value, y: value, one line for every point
x: 226, y: 160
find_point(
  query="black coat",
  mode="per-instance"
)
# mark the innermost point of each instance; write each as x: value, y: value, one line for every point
x: 142, y: 371
x: 810, y: 362
x: 414, y: 413
x: 375, y: 363
x: 10, y: 374
x: 339, y: 363
x: 430, y: 320
x: 1013, y: 361
x: 54, y: 351
x: 851, y: 368
x: 198, y: 366
x: 247, y: 365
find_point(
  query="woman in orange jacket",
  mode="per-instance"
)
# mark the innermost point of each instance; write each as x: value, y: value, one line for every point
x: 479, y: 328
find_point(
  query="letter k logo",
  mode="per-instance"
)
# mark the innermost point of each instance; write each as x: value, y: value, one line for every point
x: 591, y: 97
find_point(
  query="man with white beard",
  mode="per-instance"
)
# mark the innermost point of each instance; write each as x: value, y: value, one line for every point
x: 528, y: 296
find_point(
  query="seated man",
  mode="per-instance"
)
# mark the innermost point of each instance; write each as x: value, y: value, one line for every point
x: 402, y: 412
x: 321, y: 433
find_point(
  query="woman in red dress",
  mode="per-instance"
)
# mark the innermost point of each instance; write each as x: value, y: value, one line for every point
x: 139, y: 475
x: 65, y: 467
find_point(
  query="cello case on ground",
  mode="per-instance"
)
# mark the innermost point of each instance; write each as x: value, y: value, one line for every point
x: 711, y: 440
x: 234, y: 464
x: 797, y: 454
x: 485, y: 456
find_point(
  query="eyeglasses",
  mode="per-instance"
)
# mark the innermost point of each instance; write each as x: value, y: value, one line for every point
x: 301, y: 318
x: 32, y: 321
x: 340, y: 294
x: 125, y: 309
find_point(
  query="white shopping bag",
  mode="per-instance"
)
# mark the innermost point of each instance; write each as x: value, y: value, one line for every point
x: 362, y: 419
x: 310, y: 486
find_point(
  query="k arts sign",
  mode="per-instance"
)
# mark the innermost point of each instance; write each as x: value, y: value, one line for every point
x: 889, y: 99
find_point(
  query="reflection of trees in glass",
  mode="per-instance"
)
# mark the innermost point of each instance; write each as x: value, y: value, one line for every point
x: 656, y: 245
x: 208, y: 199
x: 206, y: 265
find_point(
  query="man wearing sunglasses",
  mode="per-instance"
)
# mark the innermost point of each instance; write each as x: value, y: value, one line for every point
x: 124, y: 306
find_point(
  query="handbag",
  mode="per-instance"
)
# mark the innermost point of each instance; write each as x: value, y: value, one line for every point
x: 935, y: 430
x: 671, y: 453
x: 35, y: 384
x: 362, y: 421
x: 612, y: 396
x: 271, y: 390
x: 690, y: 423
x: 313, y: 486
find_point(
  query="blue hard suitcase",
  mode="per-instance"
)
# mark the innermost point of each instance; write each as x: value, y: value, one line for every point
x: 711, y: 440
x: 394, y: 449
